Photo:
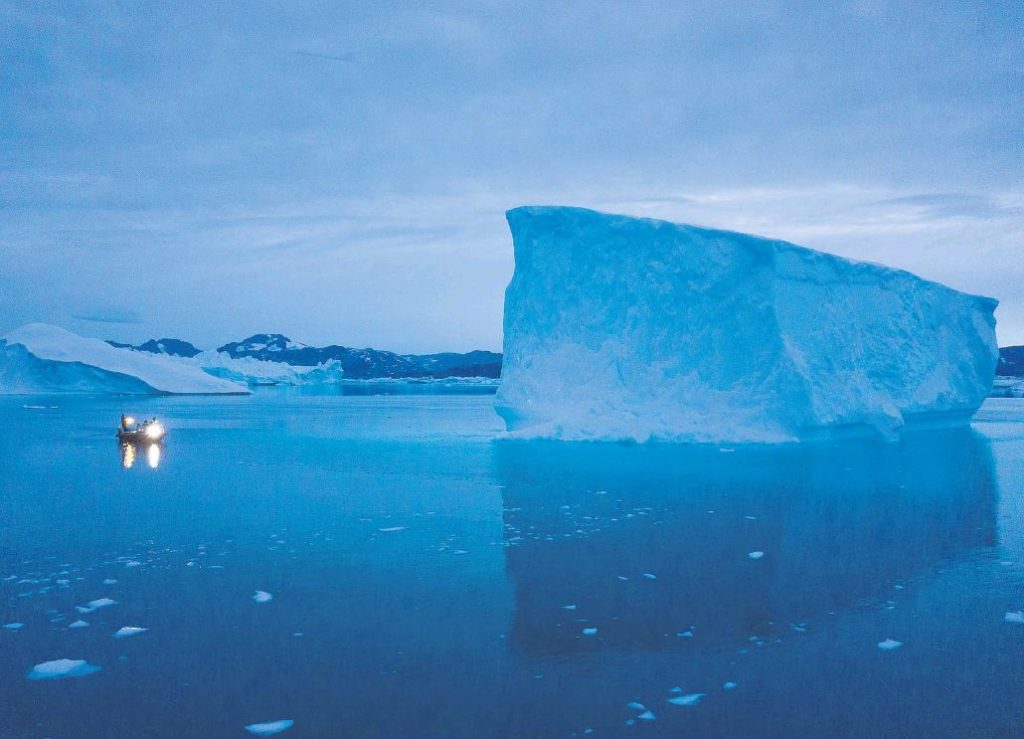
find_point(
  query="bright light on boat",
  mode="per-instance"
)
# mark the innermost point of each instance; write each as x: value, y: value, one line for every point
x: 154, y: 430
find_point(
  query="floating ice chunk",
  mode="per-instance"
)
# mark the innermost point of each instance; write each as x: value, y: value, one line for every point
x: 676, y: 689
x: 128, y: 631
x: 649, y: 576
x: 389, y: 529
x: 729, y: 685
x: 621, y: 577
x: 756, y: 555
x: 79, y: 624
x: 589, y: 631
x: 94, y: 604
x: 690, y: 699
x: 110, y: 581
x: 889, y: 644
x: 647, y: 716
x: 262, y: 597
x: 270, y: 727
x: 15, y: 625
x: 1015, y: 617
x: 636, y: 706
x: 685, y: 634
x: 570, y: 607
x: 61, y: 668
x: 460, y: 551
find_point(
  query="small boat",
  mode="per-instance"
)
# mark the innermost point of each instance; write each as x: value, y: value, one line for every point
x: 133, y: 432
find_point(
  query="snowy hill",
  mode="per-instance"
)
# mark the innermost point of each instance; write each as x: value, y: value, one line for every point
x: 627, y: 328
x: 38, y: 358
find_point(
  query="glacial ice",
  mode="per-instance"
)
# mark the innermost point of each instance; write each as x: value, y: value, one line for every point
x: 634, y: 329
x: 38, y: 358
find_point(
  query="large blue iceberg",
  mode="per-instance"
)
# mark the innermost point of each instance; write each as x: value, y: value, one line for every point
x: 636, y: 329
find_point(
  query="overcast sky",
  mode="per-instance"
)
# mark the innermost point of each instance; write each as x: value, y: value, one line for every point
x: 339, y: 172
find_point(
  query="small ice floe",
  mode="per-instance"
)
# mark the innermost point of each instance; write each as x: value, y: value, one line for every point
x: 647, y: 716
x: 270, y: 727
x: 15, y: 625
x: 94, y: 604
x: 460, y: 551
x: 133, y: 563
x: 589, y: 631
x: 622, y: 577
x: 125, y: 631
x: 110, y: 581
x: 889, y: 644
x: 296, y: 633
x: 569, y: 607
x: 685, y: 634
x: 755, y: 555
x: 649, y: 576
x: 262, y: 597
x: 676, y: 689
x: 389, y: 529
x: 79, y: 624
x: 61, y: 668
x: 730, y: 685
x: 690, y: 699
x: 636, y: 706
x: 1014, y: 617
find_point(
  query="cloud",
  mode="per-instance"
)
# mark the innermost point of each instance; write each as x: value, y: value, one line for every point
x: 113, y: 315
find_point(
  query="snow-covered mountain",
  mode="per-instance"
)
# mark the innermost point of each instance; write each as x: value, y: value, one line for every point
x: 172, y: 347
x: 361, y: 364
x: 1011, y: 361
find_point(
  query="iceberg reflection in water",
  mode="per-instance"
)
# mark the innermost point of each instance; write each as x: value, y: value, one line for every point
x: 839, y: 527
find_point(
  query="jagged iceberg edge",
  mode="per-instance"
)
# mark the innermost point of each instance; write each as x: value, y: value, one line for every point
x: 619, y: 328
x: 38, y: 358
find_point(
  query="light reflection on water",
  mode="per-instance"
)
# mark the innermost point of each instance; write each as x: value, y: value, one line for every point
x: 130, y: 452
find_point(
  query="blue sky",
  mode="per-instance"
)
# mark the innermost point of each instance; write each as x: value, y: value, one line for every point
x: 339, y: 172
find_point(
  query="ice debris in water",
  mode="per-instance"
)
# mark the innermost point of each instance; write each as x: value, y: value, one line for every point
x: 15, y: 625
x: 649, y: 576
x: 729, y: 685
x: 889, y: 644
x: 636, y: 706
x: 79, y: 624
x: 128, y: 631
x: 94, y: 604
x: 691, y: 699
x: 756, y: 555
x: 1015, y: 617
x: 389, y: 529
x: 110, y: 581
x: 270, y: 727
x: 570, y: 607
x: 61, y: 668
x: 262, y: 596
x: 647, y: 716
x: 589, y: 631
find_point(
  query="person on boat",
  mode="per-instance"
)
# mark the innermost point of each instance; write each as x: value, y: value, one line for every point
x: 124, y: 422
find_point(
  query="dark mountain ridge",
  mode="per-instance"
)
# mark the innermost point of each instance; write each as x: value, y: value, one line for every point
x: 357, y: 364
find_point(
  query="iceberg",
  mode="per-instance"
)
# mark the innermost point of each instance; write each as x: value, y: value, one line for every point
x: 38, y: 358
x: 620, y: 328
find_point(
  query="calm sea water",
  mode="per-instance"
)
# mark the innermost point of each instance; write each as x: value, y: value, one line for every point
x: 427, y: 580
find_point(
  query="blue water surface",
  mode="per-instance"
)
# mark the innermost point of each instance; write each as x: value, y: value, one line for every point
x: 431, y: 579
